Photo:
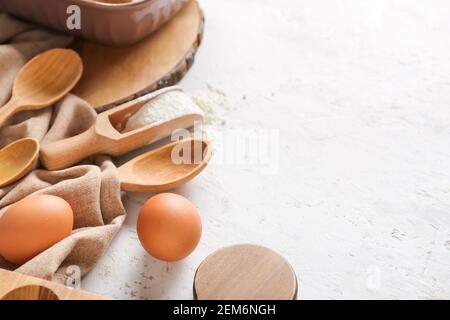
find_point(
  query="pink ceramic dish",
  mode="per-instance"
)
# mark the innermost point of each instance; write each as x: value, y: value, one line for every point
x: 114, y: 24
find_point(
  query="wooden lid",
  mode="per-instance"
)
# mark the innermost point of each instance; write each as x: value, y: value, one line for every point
x: 245, y: 272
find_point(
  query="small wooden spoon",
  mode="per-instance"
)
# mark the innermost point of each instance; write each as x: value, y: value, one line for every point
x: 165, y: 168
x: 44, y: 80
x: 17, y: 159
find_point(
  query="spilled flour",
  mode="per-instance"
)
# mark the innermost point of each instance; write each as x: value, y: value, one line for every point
x: 214, y: 104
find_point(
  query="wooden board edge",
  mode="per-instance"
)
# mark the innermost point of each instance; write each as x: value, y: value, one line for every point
x: 174, y: 76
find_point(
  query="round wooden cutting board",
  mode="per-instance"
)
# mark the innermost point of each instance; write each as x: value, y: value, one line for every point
x: 245, y: 272
x: 115, y: 75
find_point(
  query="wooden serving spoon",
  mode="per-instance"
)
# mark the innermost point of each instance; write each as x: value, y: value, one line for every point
x: 44, y: 80
x: 165, y: 168
x: 17, y: 159
x: 104, y: 136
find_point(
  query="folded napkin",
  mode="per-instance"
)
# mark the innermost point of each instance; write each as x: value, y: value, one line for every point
x: 93, y: 190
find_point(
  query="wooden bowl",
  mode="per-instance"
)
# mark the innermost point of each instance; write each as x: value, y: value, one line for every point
x: 31, y: 292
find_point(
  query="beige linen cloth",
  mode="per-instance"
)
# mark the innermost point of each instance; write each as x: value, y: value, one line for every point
x: 93, y: 191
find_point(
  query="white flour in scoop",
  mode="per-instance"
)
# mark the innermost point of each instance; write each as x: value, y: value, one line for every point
x: 171, y: 105
x: 211, y: 103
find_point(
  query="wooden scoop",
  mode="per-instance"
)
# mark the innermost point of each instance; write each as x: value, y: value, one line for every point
x: 17, y: 159
x: 44, y: 80
x: 165, y: 168
x: 104, y: 136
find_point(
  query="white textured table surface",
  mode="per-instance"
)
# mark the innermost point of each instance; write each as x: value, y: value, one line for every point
x: 360, y: 204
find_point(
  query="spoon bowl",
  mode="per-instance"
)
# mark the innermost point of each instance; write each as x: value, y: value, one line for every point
x: 17, y: 159
x: 165, y: 168
x: 44, y: 80
x: 31, y: 292
x: 48, y: 77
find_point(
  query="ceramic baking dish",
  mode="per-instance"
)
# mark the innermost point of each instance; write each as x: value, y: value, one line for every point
x: 114, y: 24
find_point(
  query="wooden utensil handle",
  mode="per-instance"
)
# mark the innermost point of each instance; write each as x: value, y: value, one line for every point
x: 7, y: 111
x: 65, y: 153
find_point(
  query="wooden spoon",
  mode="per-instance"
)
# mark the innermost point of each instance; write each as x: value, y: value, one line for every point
x: 165, y: 168
x: 104, y: 137
x: 44, y: 80
x: 17, y: 159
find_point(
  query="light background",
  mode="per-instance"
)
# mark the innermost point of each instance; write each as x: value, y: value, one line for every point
x: 360, y: 206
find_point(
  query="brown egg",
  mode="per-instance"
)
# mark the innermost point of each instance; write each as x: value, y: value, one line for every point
x: 32, y: 225
x: 169, y: 227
